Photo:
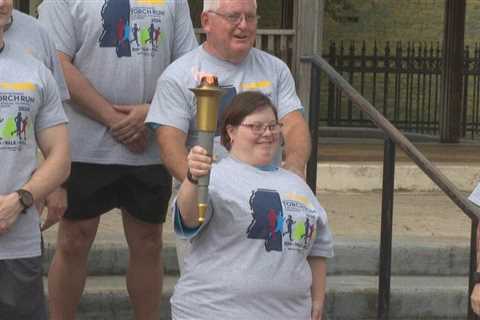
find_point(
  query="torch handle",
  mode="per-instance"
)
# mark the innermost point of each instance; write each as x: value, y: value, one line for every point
x: 205, y: 140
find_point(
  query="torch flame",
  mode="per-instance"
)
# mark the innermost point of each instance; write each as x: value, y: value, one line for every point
x: 204, y: 78
x: 210, y: 80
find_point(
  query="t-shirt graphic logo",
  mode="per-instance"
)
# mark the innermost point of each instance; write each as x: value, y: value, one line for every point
x: 267, y: 223
x: 146, y: 35
x: 304, y: 231
x: 15, y: 128
x: 116, y: 26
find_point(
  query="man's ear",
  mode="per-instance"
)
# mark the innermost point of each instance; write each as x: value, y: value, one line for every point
x: 205, y: 21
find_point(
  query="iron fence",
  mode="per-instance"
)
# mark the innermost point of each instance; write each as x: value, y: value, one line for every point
x: 393, y: 138
x: 403, y: 81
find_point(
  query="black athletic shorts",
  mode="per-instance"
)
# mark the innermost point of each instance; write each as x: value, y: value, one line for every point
x: 21, y: 289
x: 143, y: 191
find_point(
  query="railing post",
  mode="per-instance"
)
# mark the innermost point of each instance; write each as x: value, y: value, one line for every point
x: 313, y: 124
x: 383, y: 301
x: 331, y: 87
x: 452, y: 69
x: 473, y: 267
x: 24, y: 6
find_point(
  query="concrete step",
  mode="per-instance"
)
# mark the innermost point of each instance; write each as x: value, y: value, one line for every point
x: 409, y: 257
x: 111, y: 258
x: 354, y: 297
x: 352, y: 256
x: 348, y: 298
x: 106, y: 298
x: 367, y: 176
x: 356, y: 164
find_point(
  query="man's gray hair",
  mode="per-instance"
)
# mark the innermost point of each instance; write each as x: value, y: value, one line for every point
x: 210, y: 5
x: 213, y: 5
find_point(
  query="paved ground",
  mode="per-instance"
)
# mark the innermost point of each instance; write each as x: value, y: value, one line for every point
x: 355, y: 215
x: 422, y: 215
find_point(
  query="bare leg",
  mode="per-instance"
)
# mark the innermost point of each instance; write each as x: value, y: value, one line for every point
x: 68, y: 271
x: 145, y: 267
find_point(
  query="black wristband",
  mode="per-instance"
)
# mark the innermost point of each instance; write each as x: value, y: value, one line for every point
x: 191, y: 178
x: 476, y: 277
x: 64, y: 185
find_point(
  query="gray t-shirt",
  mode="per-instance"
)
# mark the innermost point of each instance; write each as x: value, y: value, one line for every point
x: 248, y: 260
x: 121, y: 47
x: 174, y: 104
x: 29, y: 103
x: 28, y: 34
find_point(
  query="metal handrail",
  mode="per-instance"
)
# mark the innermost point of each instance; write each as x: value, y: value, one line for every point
x: 392, y: 137
x: 393, y: 133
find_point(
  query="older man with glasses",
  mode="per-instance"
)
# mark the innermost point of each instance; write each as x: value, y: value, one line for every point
x: 227, y: 53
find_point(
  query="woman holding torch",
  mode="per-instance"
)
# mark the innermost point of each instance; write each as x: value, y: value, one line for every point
x: 260, y: 253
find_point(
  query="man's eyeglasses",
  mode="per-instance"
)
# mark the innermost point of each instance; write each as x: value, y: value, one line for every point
x: 258, y: 128
x: 236, y: 18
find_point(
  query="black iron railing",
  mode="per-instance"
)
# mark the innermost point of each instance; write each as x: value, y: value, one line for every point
x: 393, y: 137
x: 403, y: 82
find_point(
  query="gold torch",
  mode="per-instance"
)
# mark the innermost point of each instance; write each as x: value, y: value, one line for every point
x: 208, y: 100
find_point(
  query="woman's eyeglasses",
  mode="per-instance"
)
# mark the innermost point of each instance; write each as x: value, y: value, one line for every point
x: 258, y: 128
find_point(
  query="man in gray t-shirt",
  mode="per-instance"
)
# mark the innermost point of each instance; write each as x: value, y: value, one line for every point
x: 30, y: 36
x: 227, y: 53
x: 112, y: 52
x: 31, y: 116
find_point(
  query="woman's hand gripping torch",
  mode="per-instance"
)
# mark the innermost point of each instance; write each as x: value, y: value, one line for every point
x: 208, y: 100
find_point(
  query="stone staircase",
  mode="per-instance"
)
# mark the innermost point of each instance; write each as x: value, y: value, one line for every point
x: 430, y: 254
x: 429, y: 280
x: 429, y: 273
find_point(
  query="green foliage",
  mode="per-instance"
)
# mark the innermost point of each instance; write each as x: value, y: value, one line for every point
x: 390, y: 20
x: 269, y: 10
x: 336, y: 8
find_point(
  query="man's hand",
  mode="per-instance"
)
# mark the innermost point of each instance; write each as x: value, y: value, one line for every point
x: 475, y: 299
x: 10, y: 208
x: 40, y: 205
x: 316, y: 311
x: 139, y: 145
x: 131, y: 127
x: 56, y: 204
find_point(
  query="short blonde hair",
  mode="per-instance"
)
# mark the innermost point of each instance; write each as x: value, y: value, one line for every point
x: 213, y: 5
x: 210, y: 5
